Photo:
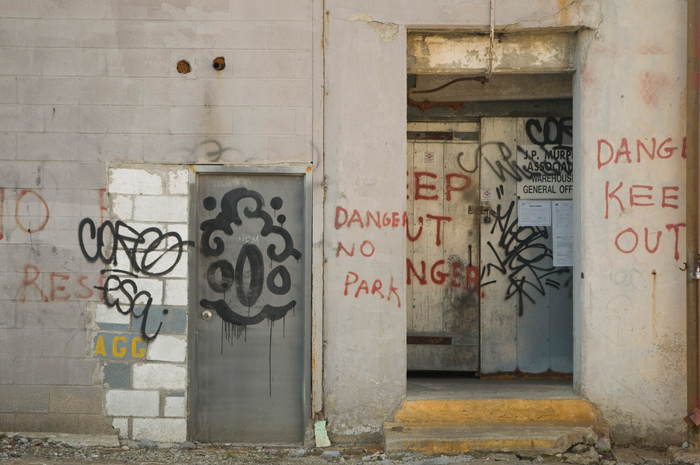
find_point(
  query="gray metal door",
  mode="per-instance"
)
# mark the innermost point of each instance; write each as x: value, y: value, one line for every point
x: 251, y: 341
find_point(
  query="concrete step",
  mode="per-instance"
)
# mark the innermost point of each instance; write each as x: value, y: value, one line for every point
x: 490, y: 410
x: 524, y: 426
x: 524, y: 438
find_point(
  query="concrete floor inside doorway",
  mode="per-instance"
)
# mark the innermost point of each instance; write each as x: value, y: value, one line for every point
x: 424, y: 388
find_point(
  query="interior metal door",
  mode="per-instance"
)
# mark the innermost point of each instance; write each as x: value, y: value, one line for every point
x: 442, y: 256
x: 250, y: 317
x: 526, y: 299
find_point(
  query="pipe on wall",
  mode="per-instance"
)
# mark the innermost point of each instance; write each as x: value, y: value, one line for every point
x: 692, y: 245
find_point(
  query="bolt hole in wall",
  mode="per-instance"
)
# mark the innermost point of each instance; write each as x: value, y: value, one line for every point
x: 489, y: 230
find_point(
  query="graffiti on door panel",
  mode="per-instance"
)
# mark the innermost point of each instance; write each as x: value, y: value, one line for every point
x: 247, y: 272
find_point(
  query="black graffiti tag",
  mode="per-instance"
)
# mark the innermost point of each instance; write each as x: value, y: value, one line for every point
x: 521, y: 258
x: 147, y: 252
x: 223, y: 275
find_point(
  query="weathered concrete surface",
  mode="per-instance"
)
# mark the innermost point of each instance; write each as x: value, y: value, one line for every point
x: 629, y: 313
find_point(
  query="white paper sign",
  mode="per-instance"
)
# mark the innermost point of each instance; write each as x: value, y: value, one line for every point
x: 563, y: 233
x: 486, y: 195
x: 534, y: 213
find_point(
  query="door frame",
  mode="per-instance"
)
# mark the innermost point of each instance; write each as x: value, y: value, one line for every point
x: 195, y: 172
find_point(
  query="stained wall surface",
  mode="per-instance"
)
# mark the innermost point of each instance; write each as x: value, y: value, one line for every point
x: 98, y: 127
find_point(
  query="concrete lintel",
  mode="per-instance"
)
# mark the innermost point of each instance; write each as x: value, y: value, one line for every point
x: 512, y: 53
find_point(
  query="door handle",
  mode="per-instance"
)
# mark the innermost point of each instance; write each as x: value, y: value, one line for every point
x: 206, y: 315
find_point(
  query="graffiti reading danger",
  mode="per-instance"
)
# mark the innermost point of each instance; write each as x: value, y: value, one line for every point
x: 241, y: 282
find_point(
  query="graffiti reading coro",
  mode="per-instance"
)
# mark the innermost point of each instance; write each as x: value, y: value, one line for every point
x: 147, y: 252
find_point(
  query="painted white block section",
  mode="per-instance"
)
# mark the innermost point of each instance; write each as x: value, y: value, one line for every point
x: 166, y: 209
x: 152, y: 286
x: 174, y: 407
x: 134, y: 181
x: 166, y: 348
x: 104, y: 314
x: 176, y: 292
x: 122, y: 424
x: 178, y: 182
x: 159, y: 376
x: 122, y: 207
x: 159, y: 429
x: 131, y: 403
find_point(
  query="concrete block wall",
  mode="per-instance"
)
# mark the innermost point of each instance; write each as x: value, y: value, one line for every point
x: 144, y: 367
x: 96, y: 122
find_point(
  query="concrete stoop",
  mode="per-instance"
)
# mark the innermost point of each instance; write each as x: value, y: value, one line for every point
x: 526, y: 427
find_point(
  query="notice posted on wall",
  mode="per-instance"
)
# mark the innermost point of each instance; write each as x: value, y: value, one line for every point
x: 563, y: 233
x: 534, y: 213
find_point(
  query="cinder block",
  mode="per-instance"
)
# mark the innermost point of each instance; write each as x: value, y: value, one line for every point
x: 205, y: 35
x: 110, y: 90
x: 121, y: 147
x: 22, y: 9
x: 49, y: 90
x: 64, y: 343
x: 274, y: 121
x: 44, y: 422
x: 166, y: 348
x: 213, y: 10
x: 6, y: 371
x: 111, y: 34
x: 205, y: 148
x: 159, y: 429
x: 95, y: 424
x: 295, y: 35
x: 108, y: 315
x: 132, y: 403
x: 159, y: 376
x: 175, y: 407
x: 289, y: 93
x: 74, y: 9
x: 122, y: 207
x: 76, y: 399
x: 178, y: 183
x: 8, y: 146
x: 134, y: 181
x: 271, y: 10
x: 18, y: 118
x: 298, y: 149
x: 292, y: 64
x: 122, y: 427
x: 139, y: 119
x: 153, y: 286
x: 47, y: 33
x: 20, y: 61
x: 175, y: 92
x: 20, y: 342
x: 7, y: 422
x: 200, y: 121
x: 168, y: 209
x: 8, y: 90
x: 117, y: 375
x: 58, y: 315
x: 55, y: 371
x: 21, y: 173
x: 57, y: 146
x: 136, y: 63
x: 27, y: 399
x: 236, y: 92
x: 172, y: 320
x: 175, y: 292
x: 77, y: 118
x: 8, y: 315
x: 75, y: 62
